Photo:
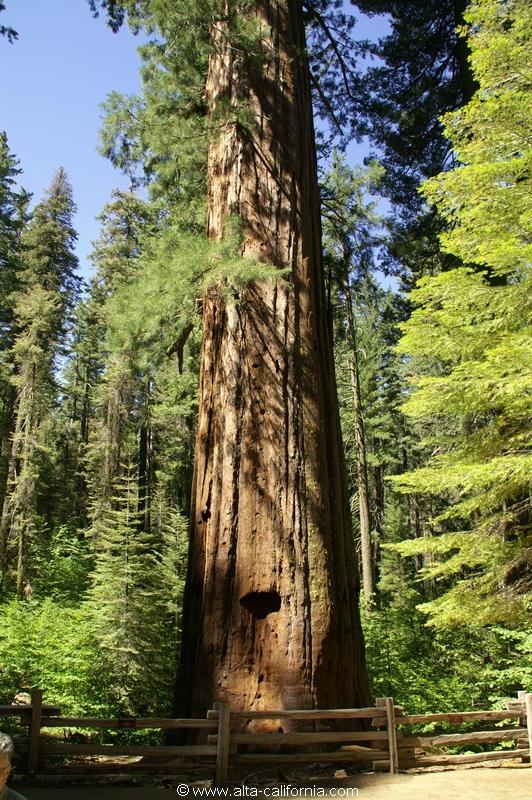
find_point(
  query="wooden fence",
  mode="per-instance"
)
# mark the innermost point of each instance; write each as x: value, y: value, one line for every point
x: 385, y: 742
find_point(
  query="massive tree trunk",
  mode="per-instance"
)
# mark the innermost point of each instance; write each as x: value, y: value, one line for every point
x: 271, y: 616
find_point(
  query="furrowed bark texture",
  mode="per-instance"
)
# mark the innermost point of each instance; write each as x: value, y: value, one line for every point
x: 270, y: 617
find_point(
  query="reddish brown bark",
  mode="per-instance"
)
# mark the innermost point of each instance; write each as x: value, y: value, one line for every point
x: 271, y: 616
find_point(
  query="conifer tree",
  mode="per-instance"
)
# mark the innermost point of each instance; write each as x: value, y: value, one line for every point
x: 470, y: 339
x: 48, y: 285
x: 13, y: 204
x: 348, y: 222
x: 76, y: 416
x: 422, y: 71
x: 129, y: 592
x: 269, y: 492
x: 122, y: 396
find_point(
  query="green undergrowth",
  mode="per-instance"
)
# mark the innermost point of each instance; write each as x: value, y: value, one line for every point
x: 431, y: 670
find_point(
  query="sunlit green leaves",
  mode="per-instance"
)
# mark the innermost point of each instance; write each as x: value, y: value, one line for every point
x: 469, y: 340
x: 488, y: 198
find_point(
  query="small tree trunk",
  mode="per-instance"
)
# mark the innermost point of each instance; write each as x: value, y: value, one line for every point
x: 144, y: 459
x: 366, y: 555
x: 6, y: 467
x: 6, y: 443
x: 270, y: 614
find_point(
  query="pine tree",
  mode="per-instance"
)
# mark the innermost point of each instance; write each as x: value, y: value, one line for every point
x: 76, y: 416
x: 129, y: 592
x: 469, y: 339
x: 422, y: 72
x: 13, y: 203
x: 125, y: 222
x: 48, y: 285
x: 348, y: 221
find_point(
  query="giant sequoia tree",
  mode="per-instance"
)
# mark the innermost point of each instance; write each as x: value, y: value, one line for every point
x: 270, y: 617
x: 270, y: 613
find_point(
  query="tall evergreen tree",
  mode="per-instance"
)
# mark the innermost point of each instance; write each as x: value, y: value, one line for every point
x: 269, y: 486
x: 422, y: 72
x: 85, y: 442
x: 122, y: 398
x: 129, y: 592
x: 470, y: 339
x: 348, y: 220
x: 48, y: 285
x: 13, y: 203
x: 76, y: 416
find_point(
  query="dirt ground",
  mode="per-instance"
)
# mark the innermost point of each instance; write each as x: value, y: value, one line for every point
x: 467, y: 784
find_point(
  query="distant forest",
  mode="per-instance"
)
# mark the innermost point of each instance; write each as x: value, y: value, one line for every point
x: 426, y: 267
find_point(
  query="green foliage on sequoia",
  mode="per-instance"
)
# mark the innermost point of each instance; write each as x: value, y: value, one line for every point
x: 177, y: 268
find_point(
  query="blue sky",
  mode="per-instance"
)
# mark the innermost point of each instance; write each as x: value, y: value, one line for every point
x: 53, y: 80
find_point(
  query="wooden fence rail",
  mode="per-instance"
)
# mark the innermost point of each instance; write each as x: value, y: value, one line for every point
x: 237, y: 737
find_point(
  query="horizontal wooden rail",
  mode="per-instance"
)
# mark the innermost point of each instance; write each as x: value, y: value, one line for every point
x: 452, y: 739
x: 74, y: 771
x: 443, y: 759
x: 126, y: 750
x: 457, y: 718
x: 356, y: 748
x: 127, y: 722
x: 312, y: 713
x: 309, y: 758
x: 265, y: 739
x: 17, y: 710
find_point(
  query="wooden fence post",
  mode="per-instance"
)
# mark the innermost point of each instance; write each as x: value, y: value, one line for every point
x: 224, y: 735
x: 522, y: 720
x: 392, y: 735
x: 34, y: 732
x: 387, y: 703
x: 528, y: 712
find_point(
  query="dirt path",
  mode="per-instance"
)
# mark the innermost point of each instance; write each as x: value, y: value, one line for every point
x: 471, y: 784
